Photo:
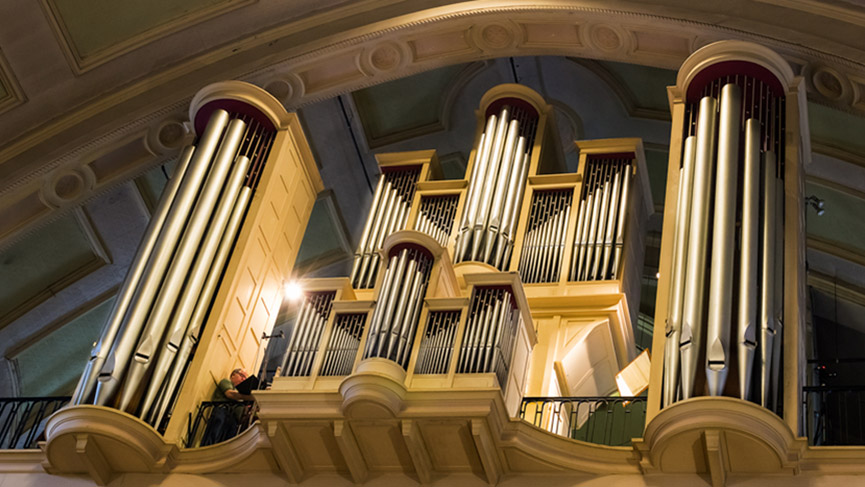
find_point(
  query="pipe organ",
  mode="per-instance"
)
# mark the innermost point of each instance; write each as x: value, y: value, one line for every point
x: 184, y: 279
x: 445, y: 270
x: 736, y: 173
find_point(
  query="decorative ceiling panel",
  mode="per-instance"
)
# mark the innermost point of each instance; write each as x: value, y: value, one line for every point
x: 841, y: 221
x: 92, y: 32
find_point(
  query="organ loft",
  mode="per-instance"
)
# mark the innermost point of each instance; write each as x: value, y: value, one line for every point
x: 483, y: 328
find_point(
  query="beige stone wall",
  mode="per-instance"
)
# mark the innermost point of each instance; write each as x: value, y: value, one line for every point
x: 250, y: 295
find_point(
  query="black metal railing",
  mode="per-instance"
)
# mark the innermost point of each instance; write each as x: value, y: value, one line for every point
x: 834, y: 415
x: 611, y: 421
x: 218, y: 421
x: 22, y: 419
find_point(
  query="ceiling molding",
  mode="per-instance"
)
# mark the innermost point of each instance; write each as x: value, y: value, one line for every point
x: 81, y: 63
x: 15, y: 349
x: 831, y: 285
x: 835, y: 152
x: 321, y: 65
x: 836, y: 249
x: 14, y: 95
x: 835, y: 186
x: 622, y: 92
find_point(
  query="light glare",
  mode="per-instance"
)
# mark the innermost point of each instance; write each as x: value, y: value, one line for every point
x: 293, y: 291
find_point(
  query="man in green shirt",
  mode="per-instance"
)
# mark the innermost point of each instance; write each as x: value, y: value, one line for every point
x: 225, y: 419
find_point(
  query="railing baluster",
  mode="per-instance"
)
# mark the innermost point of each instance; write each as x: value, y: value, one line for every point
x: 606, y: 421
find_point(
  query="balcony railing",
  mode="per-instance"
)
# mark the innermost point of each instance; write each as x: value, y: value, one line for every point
x: 835, y: 415
x: 22, y: 420
x: 611, y: 421
x: 218, y: 421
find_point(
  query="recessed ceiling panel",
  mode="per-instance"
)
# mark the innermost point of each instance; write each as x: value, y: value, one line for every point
x: 842, y: 219
x: 52, y: 365
x: 41, y: 264
x: 404, y: 108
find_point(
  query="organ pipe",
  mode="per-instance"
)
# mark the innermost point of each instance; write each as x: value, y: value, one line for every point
x: 721, y: 282
x: 747, y: 318
x: 695, y: 270
x: 305, y: 338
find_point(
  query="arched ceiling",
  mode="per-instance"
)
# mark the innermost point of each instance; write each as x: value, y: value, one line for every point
x: 92, y: 96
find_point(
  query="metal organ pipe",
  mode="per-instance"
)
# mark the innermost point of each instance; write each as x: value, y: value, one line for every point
x: 721, y: 276
x: 673, y: 327
x: 767, y: 290
x: 692, y: 314
x: 747, y: 317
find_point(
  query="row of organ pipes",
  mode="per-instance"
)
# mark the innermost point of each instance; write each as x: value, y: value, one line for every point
x: 304, y: 343
x: 160, y: 310
x: 728, y: 236
x: 599, y: 238
x: 489, y: 219
x: 391, y: 205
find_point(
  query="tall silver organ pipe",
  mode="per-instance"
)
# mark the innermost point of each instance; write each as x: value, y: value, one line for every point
x: 724, y: 225
x: 303, y: 345
x: 544, y: 244
x: 343, y: 345
x: 735, y: 217
x: 437, y: 342
x: 168, y: 290
x: 495, y: 189
x: 389, y: 212
x: 698, y: 234
x: 436, y: 217
x: 398, y: 306
x: 601, y: 217
x: 673, y: 328
x: 490, y: 333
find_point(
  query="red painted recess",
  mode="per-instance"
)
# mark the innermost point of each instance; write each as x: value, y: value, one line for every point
x: 612, y: 155
x: 394, y: 252
x: 732, y: 68
x: 496, y: 106
x: 230, y: 106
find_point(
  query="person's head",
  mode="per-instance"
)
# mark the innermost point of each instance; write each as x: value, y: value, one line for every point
x: 237, y: 376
